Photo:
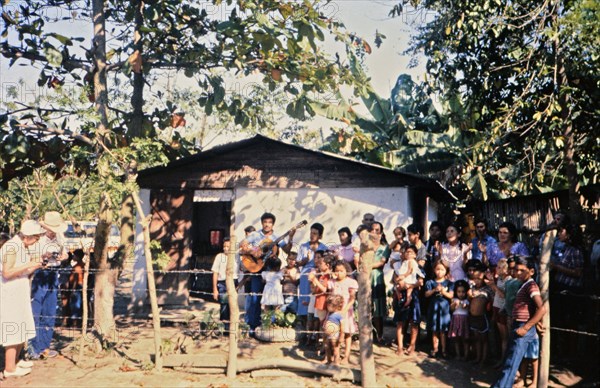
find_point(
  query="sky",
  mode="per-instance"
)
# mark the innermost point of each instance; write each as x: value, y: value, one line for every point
x: 361, y: 17
x: 387, y: 62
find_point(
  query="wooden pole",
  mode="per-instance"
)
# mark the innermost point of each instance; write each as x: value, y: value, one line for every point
x: 84, y: 305
x: 145, y: 221
x: 234, y: 312
x: 544, y: 364
x: 105, y: 278
x: 365, y: 326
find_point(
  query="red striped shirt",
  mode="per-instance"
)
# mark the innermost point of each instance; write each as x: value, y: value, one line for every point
x: 524, y: 307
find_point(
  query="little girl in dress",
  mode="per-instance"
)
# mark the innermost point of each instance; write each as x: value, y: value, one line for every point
x: 459, y: 324
x: 272, y: 296
x: 343, y: 285
x: 439, y: 291
x: 333, y: 328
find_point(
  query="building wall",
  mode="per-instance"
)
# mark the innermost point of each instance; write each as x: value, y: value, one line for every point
x: 333, y: 207
x: 432, y: 215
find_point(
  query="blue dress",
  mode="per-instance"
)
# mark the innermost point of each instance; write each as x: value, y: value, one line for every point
x: 438, y: 313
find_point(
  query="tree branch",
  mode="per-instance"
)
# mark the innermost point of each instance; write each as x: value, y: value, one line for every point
x: 57, y: 131
x: 49, y: 110
x: 16, y: 53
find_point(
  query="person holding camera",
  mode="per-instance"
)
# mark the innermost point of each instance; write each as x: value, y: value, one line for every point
x: 16, y: 318
x: 44, y: 286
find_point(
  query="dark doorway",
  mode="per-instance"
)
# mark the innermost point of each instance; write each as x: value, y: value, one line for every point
x: 210, y: 224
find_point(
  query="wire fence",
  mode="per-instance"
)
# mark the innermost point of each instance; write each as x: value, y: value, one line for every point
x: 207, y: 323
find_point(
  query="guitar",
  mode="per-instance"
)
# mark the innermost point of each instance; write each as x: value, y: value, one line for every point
x: 268, y: 249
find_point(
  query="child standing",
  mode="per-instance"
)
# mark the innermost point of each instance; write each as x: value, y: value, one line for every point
x: 528, y: 311
x: 75, y: 286
x: 511, y: 287
x: 272, y: 296
x: 312, y: 322
x: 407, y: 308
x: 459, y: 325
x: 319, y: 282
x: 333, y: 328
x: 533, y: 350
x: 290, y: 284
x: 439, y: 292
x: 479, y: 295
x: 499, y: 315
x: 345, y: 286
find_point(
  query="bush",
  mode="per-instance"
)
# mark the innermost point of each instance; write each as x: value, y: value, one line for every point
x: 277, y: 318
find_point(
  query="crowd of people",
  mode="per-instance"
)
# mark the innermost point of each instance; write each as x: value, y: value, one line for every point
x: 462, y: 290
x: 29, y: 291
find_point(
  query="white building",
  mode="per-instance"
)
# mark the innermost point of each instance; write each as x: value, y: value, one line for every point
x: 219, y: 192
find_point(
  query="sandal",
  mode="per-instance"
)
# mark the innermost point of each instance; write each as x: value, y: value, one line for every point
x: 433, y: 354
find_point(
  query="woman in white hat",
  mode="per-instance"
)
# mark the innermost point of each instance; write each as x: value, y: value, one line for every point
x: 44, y: 285
x: 16, y: 317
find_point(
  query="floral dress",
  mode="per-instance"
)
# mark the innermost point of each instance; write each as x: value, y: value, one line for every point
x: 494, y: 253
x: 343, y: 288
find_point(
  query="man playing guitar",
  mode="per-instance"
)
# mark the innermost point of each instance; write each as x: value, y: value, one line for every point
x: 251, y: 245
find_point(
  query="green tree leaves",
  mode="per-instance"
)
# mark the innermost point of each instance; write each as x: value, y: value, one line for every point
x: 527, y: 73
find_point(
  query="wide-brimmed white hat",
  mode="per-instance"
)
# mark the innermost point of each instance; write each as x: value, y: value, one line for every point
x: 32, y: 228
x: 54, y: 222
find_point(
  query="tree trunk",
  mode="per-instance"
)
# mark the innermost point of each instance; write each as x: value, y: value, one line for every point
x: 106, y: 277
x: 136, y: 128
x: 544, y: 364
x: 234, y: 313
x: 99, y: 58
x: 158, y: 360
x: 365, y: 325
x: 127, y: 230
x: 125, y: 250
x: 564, y: 100
x: 570, y: 166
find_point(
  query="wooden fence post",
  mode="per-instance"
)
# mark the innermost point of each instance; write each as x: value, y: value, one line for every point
x: 544, y: 365
x: 84, y: 305
x: 234, y: 312
x: 365, y: 326
x: 145, y: 221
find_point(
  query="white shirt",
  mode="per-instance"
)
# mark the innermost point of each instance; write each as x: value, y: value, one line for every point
x: 46, y: 245
x: 220, y: 266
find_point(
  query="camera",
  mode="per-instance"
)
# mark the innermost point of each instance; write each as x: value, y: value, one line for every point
x: 52, y: 261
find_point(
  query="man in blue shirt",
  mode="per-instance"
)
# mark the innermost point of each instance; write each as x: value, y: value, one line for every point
x: 481, y: 229
x: 251, y: 245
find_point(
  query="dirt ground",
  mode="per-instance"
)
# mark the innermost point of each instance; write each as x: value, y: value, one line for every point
x: 129, y: 364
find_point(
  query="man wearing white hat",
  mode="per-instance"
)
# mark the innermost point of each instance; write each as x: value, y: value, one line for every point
x: 44, y: 287
x: 16, y: 318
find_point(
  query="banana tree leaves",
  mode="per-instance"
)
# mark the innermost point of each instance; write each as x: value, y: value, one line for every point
x: 422, y: 160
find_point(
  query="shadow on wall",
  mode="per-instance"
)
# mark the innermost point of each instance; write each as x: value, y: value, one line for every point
x: 334, y: 208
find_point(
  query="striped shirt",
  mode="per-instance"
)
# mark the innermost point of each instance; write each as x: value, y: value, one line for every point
x: 524, y: 307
